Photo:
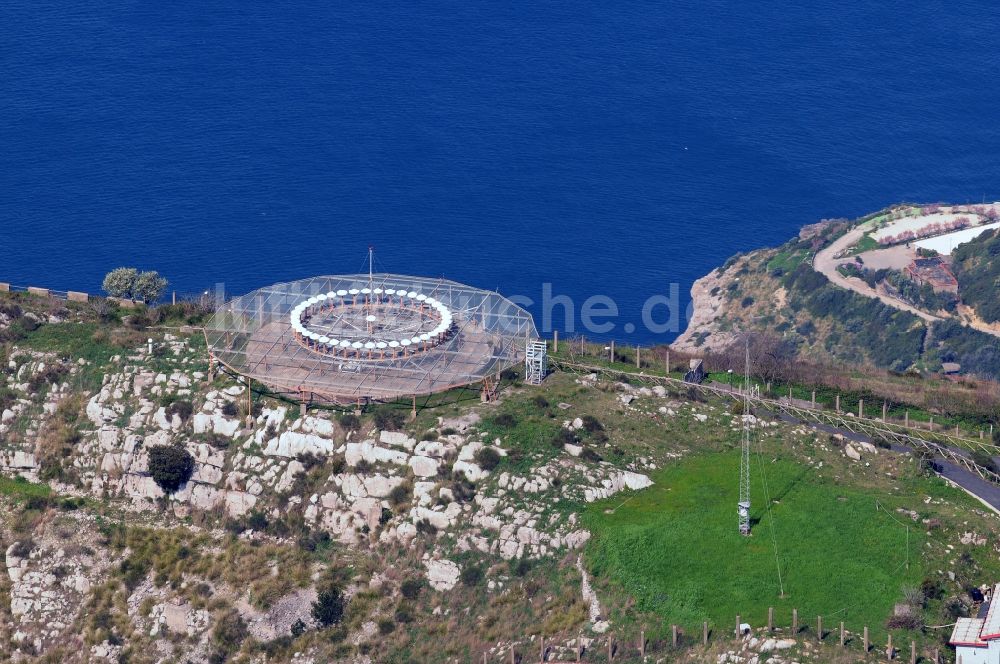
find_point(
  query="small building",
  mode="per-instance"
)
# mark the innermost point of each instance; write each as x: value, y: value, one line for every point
x: 933, y: 271
x: 696, y: 372
x: 977, y: 640
x: 950, y: 368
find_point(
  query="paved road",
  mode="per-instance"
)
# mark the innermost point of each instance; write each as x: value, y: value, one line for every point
x: 826, y: 264
x: 986, y: 491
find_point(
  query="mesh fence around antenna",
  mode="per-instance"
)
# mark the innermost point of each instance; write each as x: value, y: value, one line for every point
x: 253, y: 336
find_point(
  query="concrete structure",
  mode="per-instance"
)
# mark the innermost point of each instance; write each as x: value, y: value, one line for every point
x: 977, y: 640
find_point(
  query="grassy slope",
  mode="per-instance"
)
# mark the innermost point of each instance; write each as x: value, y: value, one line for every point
x: 675, y: 548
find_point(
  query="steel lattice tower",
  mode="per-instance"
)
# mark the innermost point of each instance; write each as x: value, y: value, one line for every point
x: 743, y: 506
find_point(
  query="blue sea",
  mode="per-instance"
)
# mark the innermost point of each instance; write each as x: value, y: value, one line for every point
x: 616, y: 149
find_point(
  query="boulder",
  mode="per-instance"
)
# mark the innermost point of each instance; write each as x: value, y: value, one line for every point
x: 442, y: 574
x: 424, y: 466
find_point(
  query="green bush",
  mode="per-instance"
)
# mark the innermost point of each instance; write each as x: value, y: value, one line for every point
x: 410, y: 588
x: 170, y: 466
x: 487, y: 458
x: 328, y: 609
x: 471, y: 576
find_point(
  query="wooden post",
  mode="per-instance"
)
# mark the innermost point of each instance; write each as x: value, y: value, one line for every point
x: 795, y: 622
x: 673, y: 630
x: 668, y: 360
x: 930, y: 425
x: 906, y: 421
x: 885, y: 410
x: 173, y: 298
x: 889, y: 652
x: 814, y: 399
x: 611, y: 648
x: 638, y: 365
x: 837, y: 402
x: 555, y: 341
x: 789, y: 395
x: 956, y: 431
x: 541, y: 648
x: 642, y: 643
x: 842, y: 633
x: 770, y: 618
x: 913, y: 652
x: 704, y: 633
x: 612, y: 350
x: 819, y: 628
x: 867, y: 642
x: 302, y: 409
x: 861, y: 407
x: 579, y: 646
x: 512, y: 660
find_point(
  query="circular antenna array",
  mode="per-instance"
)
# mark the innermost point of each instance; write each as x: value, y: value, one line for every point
x: 371, y: 323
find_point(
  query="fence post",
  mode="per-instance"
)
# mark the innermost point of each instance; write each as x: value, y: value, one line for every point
x: 642, y: 643
x: 819, y: 628
x: 512, y: 654
x: 673, y: 630
x: 837, y: 404
x: 770, y: 618
x: 814, y: 400
x: 885, y: 409
x: 579, y: 646
x: 889, y: 651
x: 668, y: 362
x: 795, y: 622
x: 611, y: 648
x: 913, y: 652
x: 704, y: 633
x: 612, y: 351
x: 930, y: 425
x: 906, y: 421
x: 541, y: 649
x: 739, y: 621
x: 555, y: 341
x: 842, y: 633
x: 638, y: 365
x: 867, y: 642
x: 861, y: 407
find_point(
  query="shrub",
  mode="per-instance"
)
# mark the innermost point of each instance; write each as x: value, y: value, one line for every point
x: 181, y: 408
x: 590, y: 455
x: 505, y: 420
x: 170, y: 466
x: 540, y: 401
x: 386, y: 626
x: 229, y: 409
x: 350, y: 422
x: 229, y: 633
x: 410, y: 588
x: 471, y: 576
x: 298, y: 628
x: 426, y: 527
x: 328, y: 609
x: 487, y: 458
x: 403, y: 615
x: 592, y: 424
x: 400, y: 494
x: 387, y: 419
x: 563, y: 437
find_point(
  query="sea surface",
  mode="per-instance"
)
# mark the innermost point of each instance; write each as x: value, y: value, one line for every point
x: 619, y: 149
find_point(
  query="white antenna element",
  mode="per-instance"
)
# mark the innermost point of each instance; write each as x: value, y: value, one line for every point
x: 743, y: 506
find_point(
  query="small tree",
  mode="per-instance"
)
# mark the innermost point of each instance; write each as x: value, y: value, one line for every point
x: 170, y: 465
x: 149, y: 287
x: 328, y: 609
x: 121, y: 282
x: 487, y: 458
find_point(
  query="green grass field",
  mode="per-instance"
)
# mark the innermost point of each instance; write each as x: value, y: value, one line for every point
x: 676, y: 550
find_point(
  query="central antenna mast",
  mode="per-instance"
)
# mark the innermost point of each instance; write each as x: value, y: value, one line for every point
x: 743, y: 506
